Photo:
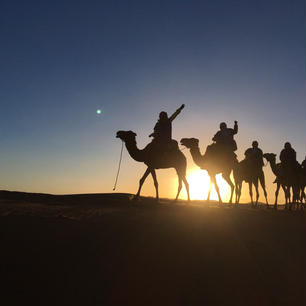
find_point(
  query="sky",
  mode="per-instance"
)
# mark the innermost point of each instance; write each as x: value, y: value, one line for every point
x: 61, y: 61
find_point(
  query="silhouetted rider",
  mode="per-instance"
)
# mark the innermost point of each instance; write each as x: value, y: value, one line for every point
x: 225, y: 137
x: 255, y: 155
x: 289, y: 164
x: 288, y: 156
x: 163, y: 128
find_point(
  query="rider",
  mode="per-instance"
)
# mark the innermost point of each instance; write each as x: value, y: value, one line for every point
x: 288, y: 156
x: 289, y: 163
x: 163, y: 128
x: 224, y: 139
x: 255, y: 155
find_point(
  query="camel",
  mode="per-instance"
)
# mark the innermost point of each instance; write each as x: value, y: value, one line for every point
x: 286, y: 183
x: 155, y: 159
x: 244, y: 171
x: 212, y: 168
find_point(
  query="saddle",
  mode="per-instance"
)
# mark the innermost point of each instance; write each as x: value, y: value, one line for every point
x: 220, y: 154
x: 162, y: 149
x: 288, y: 170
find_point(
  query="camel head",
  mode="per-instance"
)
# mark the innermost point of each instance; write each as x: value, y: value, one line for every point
x: 126, y: 135
x: 270, y: 157
x: 190, y: 142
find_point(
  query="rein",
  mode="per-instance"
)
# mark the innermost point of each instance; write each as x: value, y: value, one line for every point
x: 115, y: 185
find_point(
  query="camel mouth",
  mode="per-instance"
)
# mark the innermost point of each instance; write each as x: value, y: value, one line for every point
x: 119, y: 134
x: 269, y: 155
x: 189, y: 142
x: 183, y: 141
x: 125, y: 135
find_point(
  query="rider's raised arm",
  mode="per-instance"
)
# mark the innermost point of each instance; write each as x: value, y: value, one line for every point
x: 174, y: 115
x: 235, y: 130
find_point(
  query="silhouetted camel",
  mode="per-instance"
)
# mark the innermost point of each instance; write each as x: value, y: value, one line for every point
x: 245, y: 171
x: 154, y: 160
x: 287, y: 182
x: 212, y: 168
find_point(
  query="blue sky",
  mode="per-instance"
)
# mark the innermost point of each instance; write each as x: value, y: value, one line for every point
x: 63, y: 60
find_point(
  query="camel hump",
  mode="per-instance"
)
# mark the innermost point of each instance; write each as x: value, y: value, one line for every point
x: 217, y: 154
x: 155, y: 148
x: 170, y: 146
x: 174, y: 144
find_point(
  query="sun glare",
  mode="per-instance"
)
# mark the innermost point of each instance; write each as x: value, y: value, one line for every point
x: 199, y: 182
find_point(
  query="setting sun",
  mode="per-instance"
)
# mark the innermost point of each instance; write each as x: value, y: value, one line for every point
x: 199, y: 183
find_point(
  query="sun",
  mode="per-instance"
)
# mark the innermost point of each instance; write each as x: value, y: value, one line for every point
x: 199, y: 183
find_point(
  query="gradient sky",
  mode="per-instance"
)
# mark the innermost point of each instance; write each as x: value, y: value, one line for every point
x: 62, y: 60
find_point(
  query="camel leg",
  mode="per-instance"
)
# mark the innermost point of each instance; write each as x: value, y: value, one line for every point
x: 276, y: 195
x: 209, y: 190
x: 236, y: 196
x: 303, y: 197
x: 187, y: 187
x: 238, y: 191
x: 217, y: 188
x: 296, y: 196
x: 263, y: 185
x: 291, y: 201
x: 179, y: 187
x: 257, y: 193
x: 229, y: 181
x: 155, y: 183
x: 251, y: 193
x: 287, y: 196
x: 141, y: 181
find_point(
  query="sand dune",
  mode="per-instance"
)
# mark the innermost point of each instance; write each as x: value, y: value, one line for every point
x: 104, y: 249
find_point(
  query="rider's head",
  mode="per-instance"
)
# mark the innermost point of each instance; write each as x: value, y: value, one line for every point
x: 255, y: 144
x: 163, y: 116
x: 223, y: 126
x: 287, y: 145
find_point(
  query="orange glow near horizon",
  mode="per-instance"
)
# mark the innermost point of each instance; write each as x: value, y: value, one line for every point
x: 199, y: 182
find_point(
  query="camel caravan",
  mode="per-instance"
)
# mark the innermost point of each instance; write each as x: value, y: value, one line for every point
x: 220, y: 157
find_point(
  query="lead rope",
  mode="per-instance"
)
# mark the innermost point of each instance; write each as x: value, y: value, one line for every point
x: 115, y: 185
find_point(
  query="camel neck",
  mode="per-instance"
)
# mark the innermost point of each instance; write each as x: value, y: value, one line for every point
x: 273, y: 167
x: 135, y: 153
x: 197, y: 157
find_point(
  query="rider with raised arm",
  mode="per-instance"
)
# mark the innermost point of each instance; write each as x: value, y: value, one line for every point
x: 163, y: 128
x: 225, y: 145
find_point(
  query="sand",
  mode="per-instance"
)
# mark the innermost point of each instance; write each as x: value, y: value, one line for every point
x: 104, y: 249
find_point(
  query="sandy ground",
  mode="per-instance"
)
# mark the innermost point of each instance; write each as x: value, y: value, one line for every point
x: 108, y: 250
